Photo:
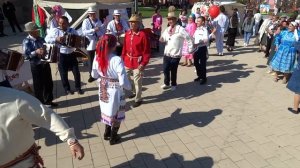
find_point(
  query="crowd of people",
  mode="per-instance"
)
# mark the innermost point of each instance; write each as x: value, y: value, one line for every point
x: 118, y: 65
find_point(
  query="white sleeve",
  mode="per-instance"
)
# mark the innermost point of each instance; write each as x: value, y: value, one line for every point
x: 188, y: 38
x: 94, y: 72
x: 34, y: 112
x: 164, y: 35
x: 87, y: 30
x: 51, y: 37
x: 122, y: 76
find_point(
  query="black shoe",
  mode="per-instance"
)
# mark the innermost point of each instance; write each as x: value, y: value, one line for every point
x: 79, y: 91
x: 136, y: 104
x: 197, y: 79
x: 202, y: 81
x: 69, y: 92
x: 91, y: 79
x: 132, y: 96
x: 293, y: 111
x: 51, y: 104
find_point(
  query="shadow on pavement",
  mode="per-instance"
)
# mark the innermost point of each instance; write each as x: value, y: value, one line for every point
x: 231, y: 73
x: 174, y: 161
x: 175, y: 121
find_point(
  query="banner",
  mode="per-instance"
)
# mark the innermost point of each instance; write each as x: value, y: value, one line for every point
x: 20, y: 76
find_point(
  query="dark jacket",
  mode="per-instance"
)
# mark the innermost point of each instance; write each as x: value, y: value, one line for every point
x: 9, y: 10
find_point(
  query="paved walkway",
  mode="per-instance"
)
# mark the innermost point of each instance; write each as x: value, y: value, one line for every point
x: 238, y: 120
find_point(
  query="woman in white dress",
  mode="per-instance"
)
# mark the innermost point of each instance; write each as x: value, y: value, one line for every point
x: 110, y: 72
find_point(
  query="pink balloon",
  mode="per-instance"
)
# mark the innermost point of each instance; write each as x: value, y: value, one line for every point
x: 214, y: 11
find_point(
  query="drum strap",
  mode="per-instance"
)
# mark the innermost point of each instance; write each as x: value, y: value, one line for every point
x: 95, y: 34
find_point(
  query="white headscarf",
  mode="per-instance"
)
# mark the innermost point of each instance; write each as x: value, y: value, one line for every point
x: 295, y: 24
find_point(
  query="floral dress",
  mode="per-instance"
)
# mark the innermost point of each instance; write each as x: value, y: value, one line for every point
x: 111, y: 90
x: 284, y: 59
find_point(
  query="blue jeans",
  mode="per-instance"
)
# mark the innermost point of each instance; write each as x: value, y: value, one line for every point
x: 247, y: 36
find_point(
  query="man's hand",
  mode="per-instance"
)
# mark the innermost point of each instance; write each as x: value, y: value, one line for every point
x: 40, y: 52
x: 96, y: 29
x: 141, y: 68
x: 60, y: 39
x: 77, y: 151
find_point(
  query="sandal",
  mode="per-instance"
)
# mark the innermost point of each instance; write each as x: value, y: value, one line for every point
x: 183, y: 64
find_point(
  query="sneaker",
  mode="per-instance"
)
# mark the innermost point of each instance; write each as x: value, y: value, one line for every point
x: 165, y: 86
x: 132, y: 96
x: 69, y: 92
x: 136, y: 104
x: 173, y: 88
x: 245, y: 44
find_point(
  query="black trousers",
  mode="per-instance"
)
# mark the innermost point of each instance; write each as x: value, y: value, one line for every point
x: 269, y: 44
x: 5, y: 83
x: 66, y: 62
x: 91, y: 59
x: 12, y: 22
x: 232, y: 32
x: 1, y: 27
x: 170, y: 66
x: 200, y: 59
x: 42, y: 82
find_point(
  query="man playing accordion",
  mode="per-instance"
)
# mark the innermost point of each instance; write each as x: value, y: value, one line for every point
x: 67, y: 58
x: 41, y: 71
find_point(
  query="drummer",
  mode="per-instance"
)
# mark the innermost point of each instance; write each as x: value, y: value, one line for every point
x: 41, y: 70
x: 117, y: 27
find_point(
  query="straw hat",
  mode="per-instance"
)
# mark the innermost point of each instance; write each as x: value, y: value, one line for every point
x: 30, y: 27
x: 117, y: 12
x: 91, y: 9
x: 134, y: 18
x: 171, y: 12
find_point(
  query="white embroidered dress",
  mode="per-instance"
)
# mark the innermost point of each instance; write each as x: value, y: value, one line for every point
x: 111, y: 89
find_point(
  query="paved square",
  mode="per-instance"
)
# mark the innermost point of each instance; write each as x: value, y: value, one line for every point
x: 238, y: 120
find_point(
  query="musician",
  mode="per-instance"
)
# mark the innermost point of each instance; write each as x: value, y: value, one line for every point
x: 201, y: 37
x: 136, y: 55
x: 93, y: 29
x: 173, y: 36
x: 18, y: 111
x: 67, y: 59
x: 117, y: 27
x: 41, y: 70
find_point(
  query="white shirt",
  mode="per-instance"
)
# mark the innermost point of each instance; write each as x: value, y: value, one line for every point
x: 57, y: 32
x: 257, y: 17
x: 175, y: 41
x: 201, y: 36
x: 221, y: 22
x: 111, y: 27
x: 89, y: 31
x: 18, y: 111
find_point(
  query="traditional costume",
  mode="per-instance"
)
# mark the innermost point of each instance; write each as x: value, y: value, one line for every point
x: 112, y: 82
x: 136, y: 53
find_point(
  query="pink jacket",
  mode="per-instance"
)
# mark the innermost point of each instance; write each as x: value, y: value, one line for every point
x: 157, y: 22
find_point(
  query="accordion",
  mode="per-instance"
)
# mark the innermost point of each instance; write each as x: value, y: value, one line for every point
x: 75, y: 41
x: 51, y: 53
x: 10, y: 59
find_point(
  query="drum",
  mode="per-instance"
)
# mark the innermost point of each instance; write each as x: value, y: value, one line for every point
x: 51, y: 54
x: 10, y: 59
x: 76, y: 41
